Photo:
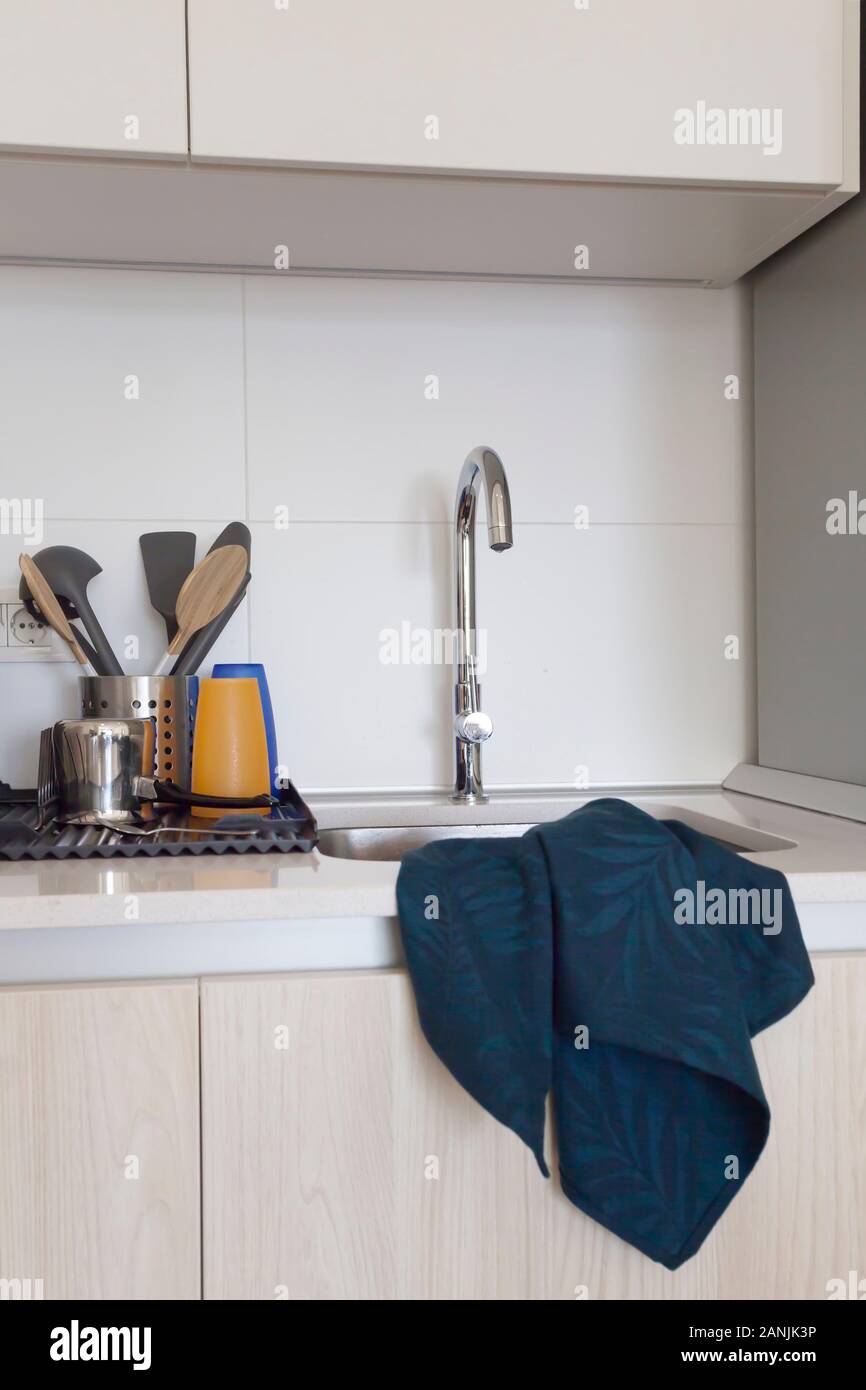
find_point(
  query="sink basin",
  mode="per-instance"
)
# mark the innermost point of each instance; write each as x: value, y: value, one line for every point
x: 391, y: 842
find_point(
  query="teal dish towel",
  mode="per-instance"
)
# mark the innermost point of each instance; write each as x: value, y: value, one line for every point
x: 624, y: 963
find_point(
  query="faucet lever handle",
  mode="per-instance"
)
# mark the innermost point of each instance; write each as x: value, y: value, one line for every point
x: 471, y: 725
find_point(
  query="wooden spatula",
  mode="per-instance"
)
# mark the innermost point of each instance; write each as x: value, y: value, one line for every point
x: 46, y: 601
x: 204, y: 594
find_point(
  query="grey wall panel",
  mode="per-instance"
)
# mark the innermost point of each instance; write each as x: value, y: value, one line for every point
x: 810, y: 443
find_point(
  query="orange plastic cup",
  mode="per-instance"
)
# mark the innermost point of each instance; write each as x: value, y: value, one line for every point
x: 230, y: 745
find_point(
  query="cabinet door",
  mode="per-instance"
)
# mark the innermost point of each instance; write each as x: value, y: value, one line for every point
x: 297, y: 1171
x: 800, y: 1220
x: 540, y: 87
x: 96, y: 76
x: 342, y: 1161
x: 99, y: 1138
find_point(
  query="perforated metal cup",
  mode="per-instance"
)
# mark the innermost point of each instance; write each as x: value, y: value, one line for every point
x: 169, y: 700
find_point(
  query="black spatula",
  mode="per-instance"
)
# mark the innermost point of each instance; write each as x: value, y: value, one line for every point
x: 67, y: 572
x: 168, y: 558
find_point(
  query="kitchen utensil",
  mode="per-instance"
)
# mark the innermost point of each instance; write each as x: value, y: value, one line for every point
x: 169, y: 700
x: 240, y: 670
x: 230, y: 747
x: 68, y: 572
x: 204, y: 594
x: 195, y: 651
x: 140, y: 831
x: 168, y: 557
x: 50, y: 608
x: 236, y: 533
x: 69, y: 612
x: 197, y: 648
x: 104, y: 770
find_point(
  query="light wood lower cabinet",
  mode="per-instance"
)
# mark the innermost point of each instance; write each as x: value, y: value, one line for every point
x: 341, y: 1161
x: 99, y: 1141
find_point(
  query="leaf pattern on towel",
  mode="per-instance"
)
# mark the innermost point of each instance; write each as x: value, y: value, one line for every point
x: 572, y: 927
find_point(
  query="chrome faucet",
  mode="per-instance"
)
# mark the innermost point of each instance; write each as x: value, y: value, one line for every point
x: 471, y: 726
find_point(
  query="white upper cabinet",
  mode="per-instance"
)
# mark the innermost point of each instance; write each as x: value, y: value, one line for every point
x: 664, y: 140
x: 743, y: 91
x: 93, y: 76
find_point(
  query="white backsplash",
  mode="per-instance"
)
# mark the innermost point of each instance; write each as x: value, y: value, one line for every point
x: 605, y: 646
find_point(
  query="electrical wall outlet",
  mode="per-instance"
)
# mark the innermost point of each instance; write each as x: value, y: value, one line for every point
x: 23, y: 638
x: 24, y: 630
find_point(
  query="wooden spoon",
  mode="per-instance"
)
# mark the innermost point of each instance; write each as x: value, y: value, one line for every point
x: 205, y: 592
x: 48, y: 605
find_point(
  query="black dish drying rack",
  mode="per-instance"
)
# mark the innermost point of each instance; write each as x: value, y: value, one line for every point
x: 27, y: 833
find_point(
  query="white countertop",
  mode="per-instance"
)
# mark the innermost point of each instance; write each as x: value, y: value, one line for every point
x: 325, y: 897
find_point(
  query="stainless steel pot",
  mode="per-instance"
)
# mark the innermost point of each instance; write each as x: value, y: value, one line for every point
x: 104, y: 772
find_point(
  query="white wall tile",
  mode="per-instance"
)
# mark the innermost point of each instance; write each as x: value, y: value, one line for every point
x: 68, y: 340
x: 35, y: 695
x: 606, y: 396
x: 605, y: 648
x: 320, y: 597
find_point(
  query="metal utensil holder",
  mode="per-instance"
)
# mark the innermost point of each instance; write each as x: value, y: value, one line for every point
x: 169, y: 700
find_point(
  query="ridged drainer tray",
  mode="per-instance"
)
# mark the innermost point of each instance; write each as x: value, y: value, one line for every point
x: 290, y: 826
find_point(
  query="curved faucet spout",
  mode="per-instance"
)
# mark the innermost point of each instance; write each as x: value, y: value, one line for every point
x: 485, y: 463
x: 471, y: 725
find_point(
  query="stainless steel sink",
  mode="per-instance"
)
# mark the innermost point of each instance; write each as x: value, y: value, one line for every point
x: 391, y: 842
